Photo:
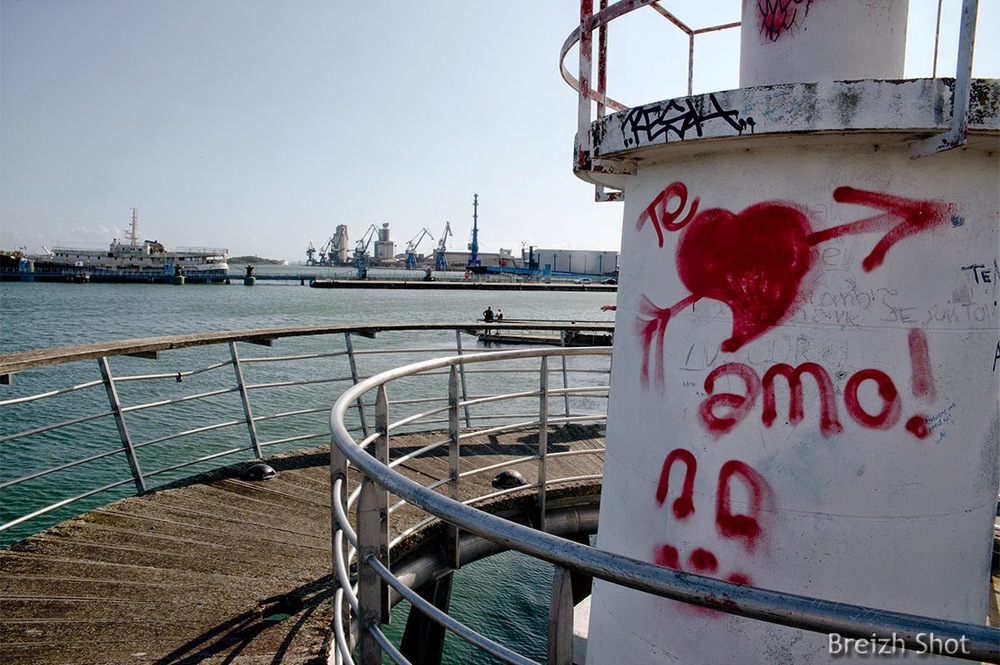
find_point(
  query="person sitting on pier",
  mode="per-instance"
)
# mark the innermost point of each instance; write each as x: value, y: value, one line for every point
x: 488, y: 318
x: 499, y: 315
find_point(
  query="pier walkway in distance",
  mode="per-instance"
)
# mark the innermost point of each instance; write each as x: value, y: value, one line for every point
x: 217, y: 569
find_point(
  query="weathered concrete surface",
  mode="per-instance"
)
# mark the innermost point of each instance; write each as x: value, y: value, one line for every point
x: 177, y: 575
x: 810, y: 114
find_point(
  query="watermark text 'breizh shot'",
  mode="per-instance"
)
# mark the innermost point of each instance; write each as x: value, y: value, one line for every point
x: 895, y: 647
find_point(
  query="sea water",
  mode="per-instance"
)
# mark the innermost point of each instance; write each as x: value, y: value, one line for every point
x: 504, y: 596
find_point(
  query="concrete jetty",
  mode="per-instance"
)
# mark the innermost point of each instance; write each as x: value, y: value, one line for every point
x: 222, y: 569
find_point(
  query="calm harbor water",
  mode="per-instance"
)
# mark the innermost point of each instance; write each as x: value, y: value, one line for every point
x: 505, y: 596
x: 53, y: 314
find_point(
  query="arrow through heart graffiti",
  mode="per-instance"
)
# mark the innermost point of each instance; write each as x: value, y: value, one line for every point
x: 755, y: 261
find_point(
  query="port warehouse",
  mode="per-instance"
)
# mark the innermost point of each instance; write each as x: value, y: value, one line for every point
x: 576, y: 261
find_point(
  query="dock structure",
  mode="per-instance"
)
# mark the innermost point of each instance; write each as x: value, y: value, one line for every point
x: 509, y: 333
x: 466, y: 285
x: 224, y: 569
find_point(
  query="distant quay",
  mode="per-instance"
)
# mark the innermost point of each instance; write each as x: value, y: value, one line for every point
x: 471, y: 285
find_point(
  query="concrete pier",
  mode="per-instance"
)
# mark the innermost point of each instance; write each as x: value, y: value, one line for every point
x: 222, y: 569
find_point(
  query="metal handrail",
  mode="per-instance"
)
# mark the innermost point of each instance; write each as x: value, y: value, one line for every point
x: 377, y: 443
x: 204, y: 419
x: 796, y: 611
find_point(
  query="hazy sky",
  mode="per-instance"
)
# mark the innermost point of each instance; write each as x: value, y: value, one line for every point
x: 260, y: 125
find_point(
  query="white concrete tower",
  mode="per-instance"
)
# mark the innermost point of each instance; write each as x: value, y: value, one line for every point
x: 805, y: 378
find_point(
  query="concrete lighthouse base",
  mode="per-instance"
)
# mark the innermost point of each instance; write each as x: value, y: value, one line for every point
x: 804, y: 389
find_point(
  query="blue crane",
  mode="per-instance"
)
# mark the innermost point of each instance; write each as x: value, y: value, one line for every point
x: 440, y: 260
x: 411, y: 248
x: 474, y: 245
x: 361, y: 252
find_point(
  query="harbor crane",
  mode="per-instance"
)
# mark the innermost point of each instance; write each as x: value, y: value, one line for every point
x: 332, y: 252
x: 411, y: 248
x: 361, y: 251
x: 474, y: 245
x: 440, y: 260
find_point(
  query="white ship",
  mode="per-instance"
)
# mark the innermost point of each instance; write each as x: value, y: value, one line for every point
x: 130, y: 260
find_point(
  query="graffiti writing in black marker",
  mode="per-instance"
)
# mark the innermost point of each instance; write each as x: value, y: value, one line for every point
x: 648, y: 123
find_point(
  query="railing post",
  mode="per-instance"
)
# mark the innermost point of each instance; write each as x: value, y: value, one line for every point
x: 583, y: 148
x: 338, y: 473
x: 116, y: 407
x: 560, y: 620
x: 254, y: 441
x: 602, y: 63
x: 373, y: 541
x: 543, y: 438
x: 454, y: 462
x: 957, y: 134
x: 355, y: 379
x: 461, y: 373
x: 565, y: 378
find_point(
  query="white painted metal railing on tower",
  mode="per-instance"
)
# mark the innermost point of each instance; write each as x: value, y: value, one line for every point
x: 588, y: 94
x: 583, y: 35
x: 956, y: 136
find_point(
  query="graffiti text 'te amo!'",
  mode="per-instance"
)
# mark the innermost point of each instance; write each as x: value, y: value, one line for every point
x: 721, y: 412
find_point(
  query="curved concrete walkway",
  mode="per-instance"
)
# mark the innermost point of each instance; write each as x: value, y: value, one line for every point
x: 178, y: 575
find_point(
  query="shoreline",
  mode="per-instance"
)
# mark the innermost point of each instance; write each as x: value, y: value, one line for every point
x: 454, y: 285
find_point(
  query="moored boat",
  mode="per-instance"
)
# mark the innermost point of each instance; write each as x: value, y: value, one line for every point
x: 129, y: 260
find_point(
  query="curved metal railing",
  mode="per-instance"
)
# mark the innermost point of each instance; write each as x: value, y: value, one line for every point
x: 80, y: 424
x: 83, y: 425
x: 576, y: 399
x: 360, y: 607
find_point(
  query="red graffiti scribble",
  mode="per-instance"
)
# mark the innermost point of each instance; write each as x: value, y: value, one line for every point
x: 828, y: 421
x: 778, y: 16
x: 891, y: 408
x: 917, y: 426
x: 739, y: 405
x: 739, y: 578
x: 667, y: 555
x: 652, y: 328
x: 704, y: 561
x: 744, y: 527
x: 920, y: 364
x: 684, y: 504
x: 916, y: 216
x: 721, y: 412
x: 755, y: 261
x: 922, y: 381
x: 663, y: 219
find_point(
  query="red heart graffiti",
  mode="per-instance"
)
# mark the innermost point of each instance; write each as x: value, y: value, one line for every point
x: 753, y: 261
